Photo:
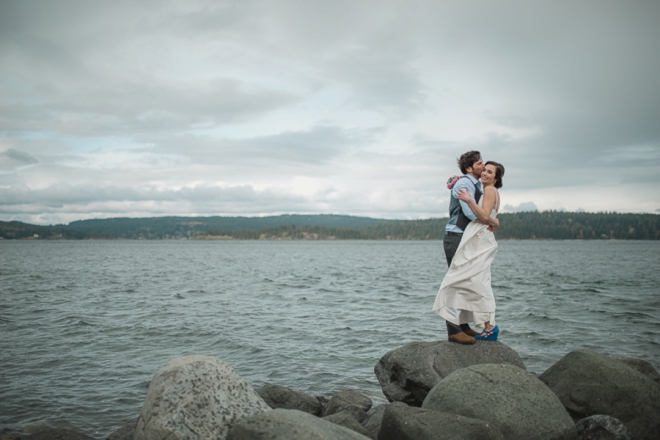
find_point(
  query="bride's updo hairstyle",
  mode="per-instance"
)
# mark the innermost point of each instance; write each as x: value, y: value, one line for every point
x: 499, y: 172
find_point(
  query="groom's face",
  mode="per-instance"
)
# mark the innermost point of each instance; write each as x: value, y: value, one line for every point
x: 477, y: 168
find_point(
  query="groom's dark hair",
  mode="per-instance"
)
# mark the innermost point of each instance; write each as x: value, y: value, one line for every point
x: 467, y: 160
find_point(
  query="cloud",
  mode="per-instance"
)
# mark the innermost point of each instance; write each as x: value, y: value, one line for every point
x: 317, y: 145
x: 20, y: 157
x: 351, y: 107
x: 12, y: 160
x: 523, y: 207
x: 62, y: 203
x: 138, y: 106
x: 61, y: 195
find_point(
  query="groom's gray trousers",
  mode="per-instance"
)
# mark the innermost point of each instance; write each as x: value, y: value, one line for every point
x: 450, y: 242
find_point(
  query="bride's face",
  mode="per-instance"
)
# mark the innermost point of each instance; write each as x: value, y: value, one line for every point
x: 488, y: 175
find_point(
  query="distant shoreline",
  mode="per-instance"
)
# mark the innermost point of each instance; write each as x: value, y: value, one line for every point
x: 547, y: 225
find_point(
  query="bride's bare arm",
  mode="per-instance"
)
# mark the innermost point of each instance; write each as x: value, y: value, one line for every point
x: 483, y: 214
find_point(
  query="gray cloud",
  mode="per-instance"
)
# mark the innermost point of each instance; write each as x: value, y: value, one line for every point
x: 62, y: 203
x: 62, y: 193
x: 138, y: 106
x: 318, y: 145
x: 20, y: 157
x: 352, y: 106
x: 523, y: 207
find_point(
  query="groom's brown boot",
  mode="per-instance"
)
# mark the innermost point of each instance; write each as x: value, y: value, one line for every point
x: 462, y: 338
x: 468, y: 331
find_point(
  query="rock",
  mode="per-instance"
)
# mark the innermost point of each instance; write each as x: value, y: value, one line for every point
x: 56, y: 434
x: 510, y: 398
x: 278, y: 396
x: 126, y: 432
x: 643, y: 367
x: 408, y: 373
x: 402, y: 422
x: 196, y: 397
x: 322, y: 400
x: 568, y: 434
x: 281, y: 424
x: 375, y: 418
x: 345, y: 419
x: 352, y: 401
x: 590, y: 383
x: 602, y: 427
x: 8, y: 434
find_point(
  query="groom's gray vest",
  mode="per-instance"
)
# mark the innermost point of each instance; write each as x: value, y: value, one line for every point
x: 456, y: 213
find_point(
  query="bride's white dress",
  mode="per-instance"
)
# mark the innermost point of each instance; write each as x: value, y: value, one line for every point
x: 466, y: 294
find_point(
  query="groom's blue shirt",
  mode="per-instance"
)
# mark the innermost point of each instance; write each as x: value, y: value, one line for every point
x: 468, y: 184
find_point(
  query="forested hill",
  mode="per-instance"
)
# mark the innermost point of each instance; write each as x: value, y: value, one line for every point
x: 188, y: 227
x: 551, y: 225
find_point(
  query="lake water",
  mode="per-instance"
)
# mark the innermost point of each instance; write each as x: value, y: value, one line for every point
x: 84, y: 325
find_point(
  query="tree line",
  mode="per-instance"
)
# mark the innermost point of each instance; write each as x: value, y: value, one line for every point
x: 549, y: 225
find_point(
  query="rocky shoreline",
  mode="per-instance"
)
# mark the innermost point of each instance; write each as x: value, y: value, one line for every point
x: 436, y: 390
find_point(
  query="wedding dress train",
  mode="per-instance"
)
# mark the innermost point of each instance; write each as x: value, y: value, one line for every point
x: 466, y: 294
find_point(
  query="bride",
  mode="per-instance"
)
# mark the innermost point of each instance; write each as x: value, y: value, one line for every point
x: 466, y: 294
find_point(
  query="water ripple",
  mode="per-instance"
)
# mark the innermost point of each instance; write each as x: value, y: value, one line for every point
x: 87, y: 324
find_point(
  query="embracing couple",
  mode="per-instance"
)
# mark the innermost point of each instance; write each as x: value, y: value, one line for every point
x: 466, y: 294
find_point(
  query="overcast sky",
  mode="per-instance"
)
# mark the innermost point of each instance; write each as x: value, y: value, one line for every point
x: 153, y: 108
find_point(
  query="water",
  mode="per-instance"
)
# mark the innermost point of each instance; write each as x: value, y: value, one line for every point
x: 84, y: 325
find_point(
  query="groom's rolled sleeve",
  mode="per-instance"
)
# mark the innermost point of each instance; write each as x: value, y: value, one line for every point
x: 467, y: 185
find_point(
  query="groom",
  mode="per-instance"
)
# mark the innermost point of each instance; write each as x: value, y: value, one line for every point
x: 461, y: 215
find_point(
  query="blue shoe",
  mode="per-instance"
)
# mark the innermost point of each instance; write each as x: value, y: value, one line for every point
x: 488, y: 335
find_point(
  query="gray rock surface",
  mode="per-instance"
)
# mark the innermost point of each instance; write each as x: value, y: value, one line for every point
x: 375, y: 418
x: 643, y: 367
x: 401, y: 422
x: 126, y: 432
x: 349, y: 400
x: 278, y: 396
x: 568, y: 434
x: 590, y: 383
x: 281, y: 424
x: 602, y: 427
x: 345, y: 419
x: 7, y: 434
x: 196, y: 397
x: 512, y: 399
x: 408, y: 373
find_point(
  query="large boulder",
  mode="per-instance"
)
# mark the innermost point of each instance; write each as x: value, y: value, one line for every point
x: 402, y: 422
x: 590, y: 383
x: 126, y: 432
x: 278, y: 396
x: 351, y: 401
x: 7, y: 434
x: 196, y: 397
x: 286, y: 424
x: 408, y: 373
x: 513, y: 400
x: 602, y: 428
x: 345, y: 419
x: 643, y: 367
x: 375, y: 418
